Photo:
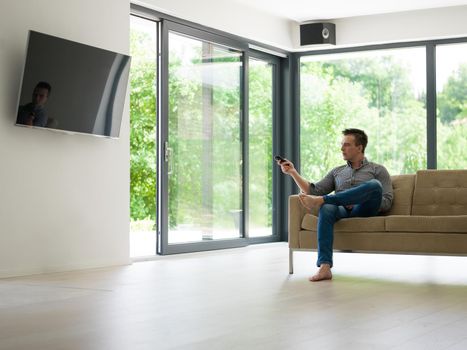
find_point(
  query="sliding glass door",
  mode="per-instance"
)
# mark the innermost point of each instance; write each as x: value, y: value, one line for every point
x: 201, y: 145
x: 203, y: 114
x: 215, y: 142
x: 204, y: 150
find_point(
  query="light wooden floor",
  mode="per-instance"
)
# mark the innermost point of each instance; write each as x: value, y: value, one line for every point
x: 241, y: 299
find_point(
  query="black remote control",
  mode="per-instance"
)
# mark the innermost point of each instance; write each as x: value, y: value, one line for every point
x: 279, y: 158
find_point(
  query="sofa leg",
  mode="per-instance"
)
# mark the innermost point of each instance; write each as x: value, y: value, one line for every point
x: 290, y: 261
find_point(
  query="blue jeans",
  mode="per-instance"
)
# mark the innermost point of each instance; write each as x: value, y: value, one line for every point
x: 366, y: 200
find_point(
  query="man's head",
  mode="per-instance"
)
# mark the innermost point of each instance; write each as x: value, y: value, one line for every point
x: 41, y: 94
x: 353, y: 144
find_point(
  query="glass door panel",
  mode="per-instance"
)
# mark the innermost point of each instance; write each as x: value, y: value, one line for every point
x: 143, y: 122
x: 204, y: 150
x: 260, y: 147
x: 451, y: 86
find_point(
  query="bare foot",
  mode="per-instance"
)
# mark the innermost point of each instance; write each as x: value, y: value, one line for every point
x: 309, y: 201
x: 324, y: 273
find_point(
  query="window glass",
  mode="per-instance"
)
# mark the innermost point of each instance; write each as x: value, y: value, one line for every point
x: 143, y: 119
x: 205, y: 150
x: 382, y: 92
x: 451, y: 86
x: 260, y: 147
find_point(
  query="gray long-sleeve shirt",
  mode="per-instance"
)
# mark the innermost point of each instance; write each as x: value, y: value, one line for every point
x: 344, y: 177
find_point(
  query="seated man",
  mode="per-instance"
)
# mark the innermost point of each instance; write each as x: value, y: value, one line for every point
x: 362, y: 189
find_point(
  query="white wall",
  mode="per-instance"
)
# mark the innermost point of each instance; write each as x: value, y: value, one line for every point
x: 64, y: 199
x: 230, y: 17
x: 363, y: 30
x: 395, y: 27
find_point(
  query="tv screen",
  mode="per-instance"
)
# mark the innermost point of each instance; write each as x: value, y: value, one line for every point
x: 72, y: 87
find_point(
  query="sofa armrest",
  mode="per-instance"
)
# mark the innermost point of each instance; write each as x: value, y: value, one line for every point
x: 296, y: 214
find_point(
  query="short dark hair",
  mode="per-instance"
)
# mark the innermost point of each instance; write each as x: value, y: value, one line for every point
x: 44, y: 85
x: 359, y: 135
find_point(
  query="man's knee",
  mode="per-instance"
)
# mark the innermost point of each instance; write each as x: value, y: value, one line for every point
x: 328, y: 210
x: 375, y: 185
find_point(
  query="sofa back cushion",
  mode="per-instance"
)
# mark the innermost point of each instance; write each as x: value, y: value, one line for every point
x: 440, y: 192
x: 403, y: 186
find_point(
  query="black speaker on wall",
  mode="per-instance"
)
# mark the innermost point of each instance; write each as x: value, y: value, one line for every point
x: 317, y: 33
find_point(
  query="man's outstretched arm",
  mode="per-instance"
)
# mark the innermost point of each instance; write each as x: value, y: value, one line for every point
x: 288, y: 168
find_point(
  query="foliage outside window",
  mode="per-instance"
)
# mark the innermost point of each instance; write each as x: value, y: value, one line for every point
x: 143, y: 123
x: 260, y: 147
x: 451, y: 64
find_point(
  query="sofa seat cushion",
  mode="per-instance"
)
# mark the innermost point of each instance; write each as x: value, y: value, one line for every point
x: 372, y: 224
x: 419, y: 223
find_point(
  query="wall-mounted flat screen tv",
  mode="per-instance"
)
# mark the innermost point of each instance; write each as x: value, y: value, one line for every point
x: 72, y: 87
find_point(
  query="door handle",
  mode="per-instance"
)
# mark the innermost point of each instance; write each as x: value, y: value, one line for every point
x: 167, y: 157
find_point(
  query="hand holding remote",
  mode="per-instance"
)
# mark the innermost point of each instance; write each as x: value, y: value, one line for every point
x: 286, y: 165
x: 279, y: 159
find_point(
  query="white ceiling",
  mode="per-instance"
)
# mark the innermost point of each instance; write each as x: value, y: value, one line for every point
x: 308, y: 10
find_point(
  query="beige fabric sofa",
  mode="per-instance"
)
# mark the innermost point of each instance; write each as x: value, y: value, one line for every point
x: 428, y: 216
